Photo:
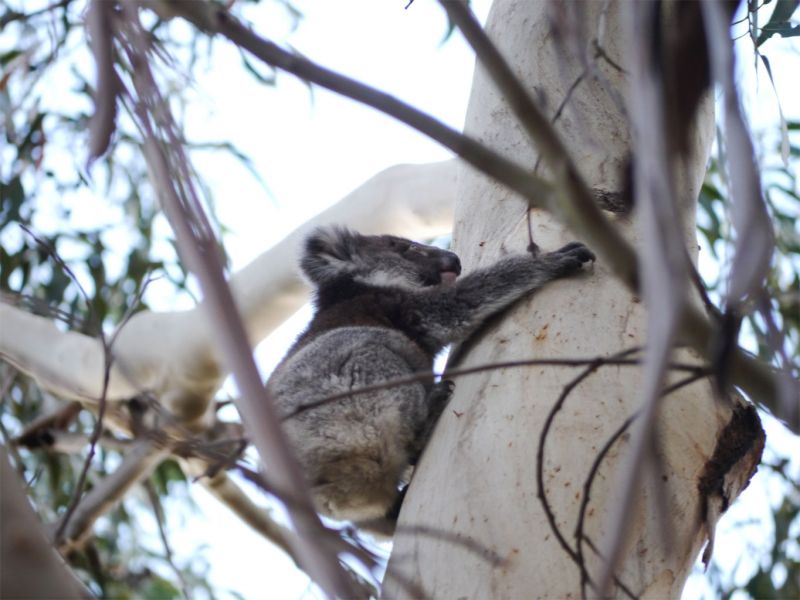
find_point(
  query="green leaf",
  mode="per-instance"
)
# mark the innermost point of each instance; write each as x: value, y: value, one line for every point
x: 12, y: 195
x: 160, y: 589
x: 760, y: 586
x: 7, y: 57
x: 265, y: 78
x: 779, y: 21
x: 167, y: 472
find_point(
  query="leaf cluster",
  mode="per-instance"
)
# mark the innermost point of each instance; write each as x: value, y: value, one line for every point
x: 782, y: 195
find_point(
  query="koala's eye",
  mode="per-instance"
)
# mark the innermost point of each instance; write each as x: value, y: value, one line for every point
x: 398, y: 245
x: 417, y: 249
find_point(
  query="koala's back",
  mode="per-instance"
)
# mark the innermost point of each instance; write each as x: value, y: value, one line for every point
x: 384, y: 307
x: 353, y: 450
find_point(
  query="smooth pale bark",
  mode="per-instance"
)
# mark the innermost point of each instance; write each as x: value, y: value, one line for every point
x: 171, y: 354
x: 477, y: 480
x: 138, y: 463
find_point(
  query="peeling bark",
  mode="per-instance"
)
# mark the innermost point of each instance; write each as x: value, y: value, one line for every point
x: 730, y: 467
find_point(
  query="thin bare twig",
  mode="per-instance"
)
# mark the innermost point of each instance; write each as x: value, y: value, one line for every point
x: 587, y: 486
x: 424, y: 376
x: 540, y: 492
x: 138, y: 462
x: 42, y: 307
x: 565, y: 100
x: 699, y: 285
x: 11, y: 16
x: 576, y: 554
x: 51, y: 252
x: 101, y: 405
x: 158, y: 513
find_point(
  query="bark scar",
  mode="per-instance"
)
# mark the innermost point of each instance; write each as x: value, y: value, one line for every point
x: 729, y: 469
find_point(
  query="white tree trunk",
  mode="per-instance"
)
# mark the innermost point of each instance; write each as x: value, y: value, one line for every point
x: 477, y: 478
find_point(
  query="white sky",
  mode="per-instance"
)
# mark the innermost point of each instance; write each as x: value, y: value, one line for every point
x: 313, y: 151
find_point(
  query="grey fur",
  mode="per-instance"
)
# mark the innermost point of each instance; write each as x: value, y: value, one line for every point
x: 385, y: 306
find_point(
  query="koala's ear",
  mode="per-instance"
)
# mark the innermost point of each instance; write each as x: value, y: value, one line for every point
x: 329, y: 253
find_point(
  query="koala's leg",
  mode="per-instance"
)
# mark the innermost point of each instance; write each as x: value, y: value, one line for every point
x: 437, y: 399
x: 381, y: 528
x: 384, y: 527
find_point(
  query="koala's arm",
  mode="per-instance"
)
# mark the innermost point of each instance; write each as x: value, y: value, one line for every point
x: 451, y: 314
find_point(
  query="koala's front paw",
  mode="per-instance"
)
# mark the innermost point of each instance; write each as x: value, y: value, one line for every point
x: 570, y: 258
x: 440, y: 392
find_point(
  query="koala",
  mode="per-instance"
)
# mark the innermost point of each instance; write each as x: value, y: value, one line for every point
x: 384, y: 307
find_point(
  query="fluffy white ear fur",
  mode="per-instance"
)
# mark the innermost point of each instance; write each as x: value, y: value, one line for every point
x: 328, y: 253
x: 332, y: 252
x: 381, y: 278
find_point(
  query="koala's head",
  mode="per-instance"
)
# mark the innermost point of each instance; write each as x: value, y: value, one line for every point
x: 335, y: 253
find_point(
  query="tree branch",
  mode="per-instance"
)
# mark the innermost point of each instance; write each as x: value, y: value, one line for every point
x: 137, y: 464
x: 224, y: 489
x: 68, y: 364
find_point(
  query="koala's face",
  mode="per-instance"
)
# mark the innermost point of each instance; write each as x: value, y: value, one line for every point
x: 395, y: 261
x: 378, y: 260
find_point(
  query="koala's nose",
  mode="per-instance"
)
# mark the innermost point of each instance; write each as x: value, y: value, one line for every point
x: 450, y: 263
